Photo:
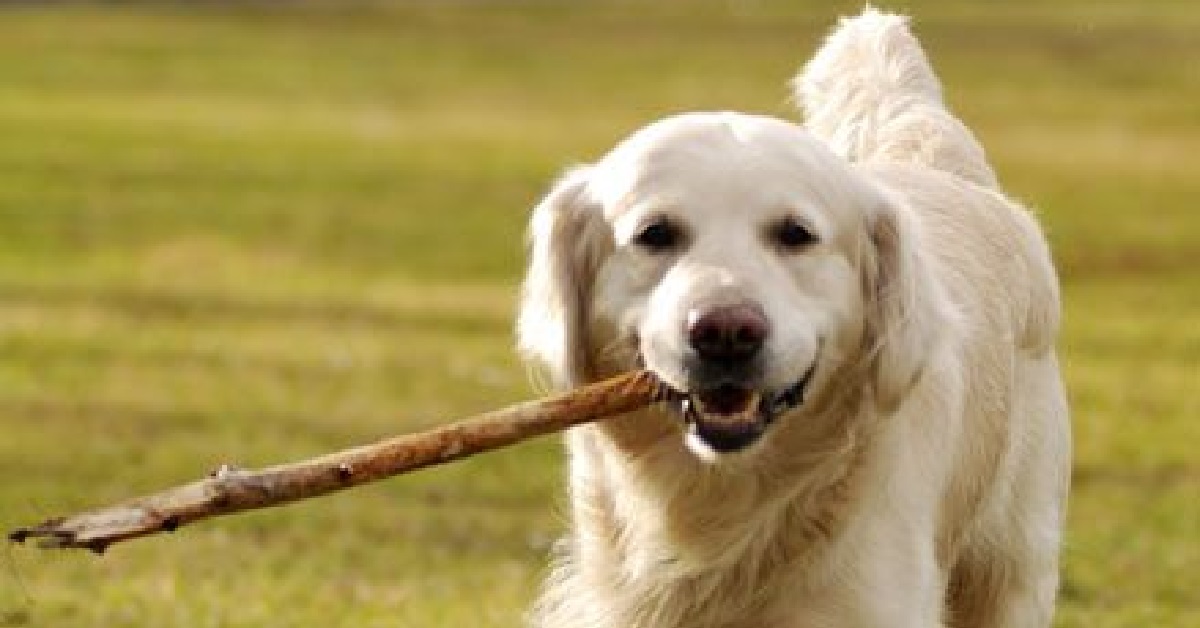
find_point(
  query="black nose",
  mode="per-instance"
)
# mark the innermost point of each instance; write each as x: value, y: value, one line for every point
x: 728, y: 333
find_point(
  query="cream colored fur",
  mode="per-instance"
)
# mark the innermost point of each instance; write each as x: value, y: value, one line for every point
x: 923, y: 482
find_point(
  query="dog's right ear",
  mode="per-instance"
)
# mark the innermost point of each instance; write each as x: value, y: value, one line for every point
x: 565, y: 237
x: 908, y: 314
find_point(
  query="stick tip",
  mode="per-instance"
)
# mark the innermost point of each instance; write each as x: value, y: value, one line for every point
x: 46, y: 529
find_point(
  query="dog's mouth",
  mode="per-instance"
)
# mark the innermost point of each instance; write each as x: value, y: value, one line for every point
x: 730, y: 417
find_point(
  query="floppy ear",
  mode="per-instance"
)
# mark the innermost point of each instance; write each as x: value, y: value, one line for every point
x: 565, y: 250
x: 908, y: 313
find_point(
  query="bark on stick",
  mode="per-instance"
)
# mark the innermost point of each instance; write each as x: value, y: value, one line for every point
x: 230, y: 489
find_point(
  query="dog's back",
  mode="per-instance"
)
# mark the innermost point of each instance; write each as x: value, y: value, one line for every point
x: 872, y: 96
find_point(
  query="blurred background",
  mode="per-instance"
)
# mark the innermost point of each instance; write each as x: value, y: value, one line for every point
x: 257, y: 232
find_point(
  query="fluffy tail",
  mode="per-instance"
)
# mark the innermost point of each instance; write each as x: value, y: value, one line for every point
x: 872, y: 95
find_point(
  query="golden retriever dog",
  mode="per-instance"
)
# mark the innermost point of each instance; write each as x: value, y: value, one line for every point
x: 868, y: 426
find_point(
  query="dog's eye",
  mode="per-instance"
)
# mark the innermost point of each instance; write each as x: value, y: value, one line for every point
x: 659, y: 236
x: 790, y: 235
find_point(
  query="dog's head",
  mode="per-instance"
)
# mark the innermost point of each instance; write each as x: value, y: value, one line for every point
x: 737, y: 258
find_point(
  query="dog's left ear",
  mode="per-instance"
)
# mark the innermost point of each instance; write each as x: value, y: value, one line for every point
x: 565, y: 249
x: 908, y: 313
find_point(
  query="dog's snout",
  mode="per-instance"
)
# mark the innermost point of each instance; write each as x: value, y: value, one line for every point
x: 727, y: 333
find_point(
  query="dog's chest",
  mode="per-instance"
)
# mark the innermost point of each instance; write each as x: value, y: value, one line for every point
x: 727, y: 567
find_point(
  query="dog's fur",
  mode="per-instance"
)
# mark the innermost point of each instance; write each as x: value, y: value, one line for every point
x: 923, y: 482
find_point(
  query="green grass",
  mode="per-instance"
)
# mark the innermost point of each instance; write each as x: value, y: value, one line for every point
x: 256, y: 235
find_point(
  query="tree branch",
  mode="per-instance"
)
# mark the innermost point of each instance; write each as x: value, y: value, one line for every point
x: 230, y: 489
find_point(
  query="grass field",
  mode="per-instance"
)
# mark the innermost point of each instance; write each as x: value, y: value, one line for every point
x: 257, y: 235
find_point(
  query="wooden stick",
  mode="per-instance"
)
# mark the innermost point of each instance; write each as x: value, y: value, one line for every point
x: 230, y: 489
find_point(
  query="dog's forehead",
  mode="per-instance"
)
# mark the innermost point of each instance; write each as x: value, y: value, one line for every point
x: 710, y: 163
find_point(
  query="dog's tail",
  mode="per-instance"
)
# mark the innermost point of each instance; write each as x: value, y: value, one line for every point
x: 870, y: 93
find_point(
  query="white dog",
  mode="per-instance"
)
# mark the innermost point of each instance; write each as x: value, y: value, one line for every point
x: 869, y: 426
